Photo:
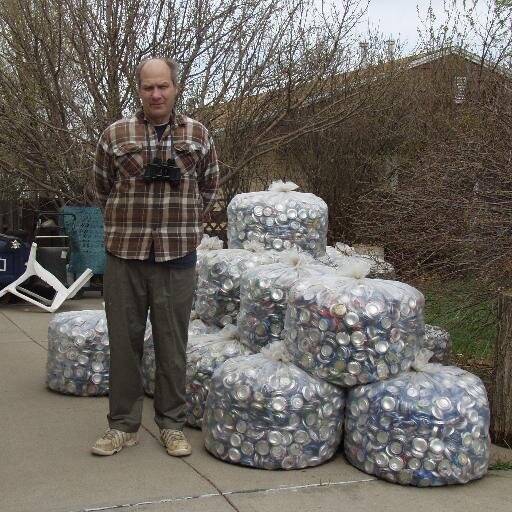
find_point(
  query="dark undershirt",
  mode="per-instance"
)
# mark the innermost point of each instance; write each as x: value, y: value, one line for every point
x: 160, y: 129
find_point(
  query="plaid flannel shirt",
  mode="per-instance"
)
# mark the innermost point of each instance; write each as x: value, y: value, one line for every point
x: 137, y: 213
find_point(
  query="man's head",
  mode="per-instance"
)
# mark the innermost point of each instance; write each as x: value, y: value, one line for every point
x: 157, y: 82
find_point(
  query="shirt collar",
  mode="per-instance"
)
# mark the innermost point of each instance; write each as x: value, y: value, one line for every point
x: 174, y: 120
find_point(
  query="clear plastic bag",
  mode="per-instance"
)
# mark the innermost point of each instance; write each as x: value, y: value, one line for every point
x: 265, y: 412
x: 338, y: 256
x: 425, y: 428
x: 439, y: 342
x: 209, y: 243
x: 264, y: 297
x: 78, y: 353
x: 204, y: 355
x: 352, y: 331
x: 218, y: 288
x: 280, y: 218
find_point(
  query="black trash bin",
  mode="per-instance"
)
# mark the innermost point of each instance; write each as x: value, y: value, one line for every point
x: 13, y: 258
x: 14, y: 253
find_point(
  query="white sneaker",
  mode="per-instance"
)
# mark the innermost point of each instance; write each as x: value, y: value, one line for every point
x: 113, y: 441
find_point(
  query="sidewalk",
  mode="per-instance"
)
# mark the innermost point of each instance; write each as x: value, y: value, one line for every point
x: 45, y: 463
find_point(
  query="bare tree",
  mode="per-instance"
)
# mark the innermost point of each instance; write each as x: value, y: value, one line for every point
x: 249, y: 69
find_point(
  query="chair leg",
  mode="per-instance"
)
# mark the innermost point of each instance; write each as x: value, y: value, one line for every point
x: 35, y: 269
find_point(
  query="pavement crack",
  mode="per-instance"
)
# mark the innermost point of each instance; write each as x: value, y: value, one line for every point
x: 225, y: 495
x: 184, y: 460
x: 299, y: 487
x: 39, y: 343
x: 146, y: 503
x: 18, y: 327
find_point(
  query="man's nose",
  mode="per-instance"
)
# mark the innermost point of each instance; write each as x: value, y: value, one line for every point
x: 156, y: 93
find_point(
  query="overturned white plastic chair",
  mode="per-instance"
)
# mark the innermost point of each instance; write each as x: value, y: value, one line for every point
x: 35, y: 269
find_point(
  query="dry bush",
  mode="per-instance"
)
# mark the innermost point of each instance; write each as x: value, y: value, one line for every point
x: 450, y: 212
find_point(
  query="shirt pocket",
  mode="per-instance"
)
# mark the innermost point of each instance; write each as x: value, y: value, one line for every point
x: 188, y: 154
x: 129, y: 160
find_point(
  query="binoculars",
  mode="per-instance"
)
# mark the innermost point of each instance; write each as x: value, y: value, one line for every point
x: 158, y: 170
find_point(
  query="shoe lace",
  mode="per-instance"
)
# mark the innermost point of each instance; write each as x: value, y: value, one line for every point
x: 170, y: 435
x: 112, y: 434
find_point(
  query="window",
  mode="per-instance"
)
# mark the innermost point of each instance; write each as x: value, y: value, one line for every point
x: 461, y: 83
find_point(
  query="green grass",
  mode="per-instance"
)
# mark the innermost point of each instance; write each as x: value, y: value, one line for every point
x: 501, y: 466
x: 459, y: 307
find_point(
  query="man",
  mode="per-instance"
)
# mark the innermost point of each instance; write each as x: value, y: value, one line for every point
x: 153, y: 224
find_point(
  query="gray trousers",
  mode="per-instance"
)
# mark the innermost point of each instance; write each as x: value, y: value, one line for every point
x: 130, y: 288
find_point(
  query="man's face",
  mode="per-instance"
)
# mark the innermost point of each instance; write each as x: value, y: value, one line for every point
x: 157, y: 91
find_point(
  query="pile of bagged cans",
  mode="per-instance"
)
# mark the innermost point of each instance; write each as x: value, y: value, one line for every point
x: 78, y: 360
x: 346, y: 331
x: 353, y: 331
x: 205, y: 354
x: 267, y: 413
x: 264, y: 297
x: 218, y: 287
x: 280, y: 218
x: 428, y: 427
x: 324, y: 329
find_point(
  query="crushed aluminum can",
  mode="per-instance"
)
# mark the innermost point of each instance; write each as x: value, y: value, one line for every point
x: 425, y: 428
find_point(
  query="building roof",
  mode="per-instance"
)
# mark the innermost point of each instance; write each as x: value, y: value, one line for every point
x: 427, y: 57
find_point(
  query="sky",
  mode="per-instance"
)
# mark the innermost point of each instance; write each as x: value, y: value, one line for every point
x: 399, y: 18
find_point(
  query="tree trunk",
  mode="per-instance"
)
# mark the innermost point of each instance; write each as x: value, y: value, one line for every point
x: 501, y: 403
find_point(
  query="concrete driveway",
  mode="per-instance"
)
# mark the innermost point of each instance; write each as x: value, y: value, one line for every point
x: 45, y: 463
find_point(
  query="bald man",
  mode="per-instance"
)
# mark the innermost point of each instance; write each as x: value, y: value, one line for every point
x: 155, y: 175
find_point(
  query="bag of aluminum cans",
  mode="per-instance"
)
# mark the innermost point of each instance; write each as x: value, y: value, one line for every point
x: 78, y: 353
x: 350, y: 330
x: 264, y: 412
x: 218, y: 287
x: 439, y: 342
x: 148, y: 367
x: 264, y: 296
x: 280, y: 218
x: 427, y: 427
x: 204, y: 355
